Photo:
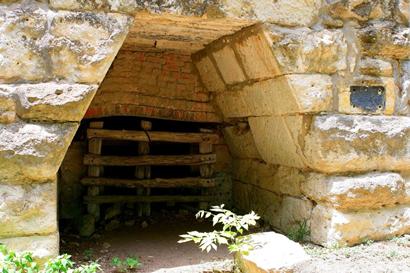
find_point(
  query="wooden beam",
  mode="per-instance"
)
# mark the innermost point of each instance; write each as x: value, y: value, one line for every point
x: 189, y: 182
x: 146, y: 160
x: 153, y: 136
x: 106, y: 199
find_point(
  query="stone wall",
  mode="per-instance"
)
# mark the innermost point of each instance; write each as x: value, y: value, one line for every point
x: 51, y: 63
x: 304, y: 147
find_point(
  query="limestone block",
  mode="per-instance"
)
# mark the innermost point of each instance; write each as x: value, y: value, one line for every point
x: 257, y: 57
x: 341, y: 143
x: 28, y: 209
x: 391, y: 90
x: 274, y: 253
x: 330, y: 227
x: 309, y: 51
x: 240, y: 142
x: 42, y: 247
x: 282, y: 12
x: 403, y: 7
x: 7, y: 108
x: 127, y: 6
x: 367, y: 191
x: 229, y: 66
x: 361, y: 10
x: 85, y: 44
x: 404, y: 98
x: 21, y: 53
x: 294, y: 211
x: 277, y: 138
x: 375, y: 67
x: 289, y: 94
x: 232, y: 104
x: 209, y: 75
x: 51, y: 101
x: 33, y: 151
x: 334, y: 143
x: 385, y: 39
x: 277, y: 179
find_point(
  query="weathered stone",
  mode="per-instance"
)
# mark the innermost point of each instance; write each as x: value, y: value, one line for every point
x: 28, y: 209
x: 361, y: 10
x: 7, y: 108
x: 294, y: 212
x: 385, y: 39
x: 33, y: 151
x: 277, y: 137
x: 232, y: 104
x: 42, y: 247
x: 87, y: 225
x: 334, y: 143
x: 256, y: 55
x: 390, y: 95
x: 403, y: 7
x: 309, y: 51
x: 50, y: 101
x: 282, y: 12
x: 341, y: 143
x: 274, y: 253
x: 330, y: 227
x: 229, y: 66
x: 21, y: 58
x: 240, y: 142
x: 209, y: 75
x: 127, y: 6
x: 274, y: 178
x: 404, y: 96
x: 85, y: 44
x: 376, y: 67
x: 367, y: 191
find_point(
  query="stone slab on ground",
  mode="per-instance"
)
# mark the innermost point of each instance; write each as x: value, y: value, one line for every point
x: 274, y: 253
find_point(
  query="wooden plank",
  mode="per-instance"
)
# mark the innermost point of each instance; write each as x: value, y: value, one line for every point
x: 153, y: 136
x: 189, y: 182
x: 146, y: 160
x: 106, y: 199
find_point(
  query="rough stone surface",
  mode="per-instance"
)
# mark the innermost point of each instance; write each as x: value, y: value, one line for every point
x: 340, y: 143
x: 127, y: 6
x: 28, y: 209
x: 274, y: 253
x: 42, y: 247
x: 309, y: 51
x: 330, y: 227
x: 361, y: 10
x: 385, y: 39
x: 404, y: 11
x: 367, y: 191
x: 294, y: 212
x: 376, y: 67
x: 49, y: 101
x: 7, y: 108
x: 33, y: 151
x: 209, y: 75
x: 240, y: 141
x: 228, y: 65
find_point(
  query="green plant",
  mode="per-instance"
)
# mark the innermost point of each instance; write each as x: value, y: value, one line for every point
x: 88, y: 253
x: 231, y: 234
x: 126, y: 264
x: 300, y: 232
x: 11, y: 262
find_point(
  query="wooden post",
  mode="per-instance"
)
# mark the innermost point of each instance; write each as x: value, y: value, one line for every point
x: 207, y: 170
x: 144, y: 172
x: 94, y: 147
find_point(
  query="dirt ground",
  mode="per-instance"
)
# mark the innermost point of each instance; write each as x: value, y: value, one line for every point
x: 155, y: 244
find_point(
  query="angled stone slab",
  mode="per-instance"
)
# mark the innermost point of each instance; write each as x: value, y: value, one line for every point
x: 49, y: 101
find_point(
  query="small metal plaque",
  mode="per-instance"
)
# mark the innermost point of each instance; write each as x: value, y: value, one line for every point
x: 368, y: 98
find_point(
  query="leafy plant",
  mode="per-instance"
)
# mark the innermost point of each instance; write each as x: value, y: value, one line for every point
x: 126, y: 264
x: 299, y: 233
x: 11, y: 262
x: 231, y: 234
